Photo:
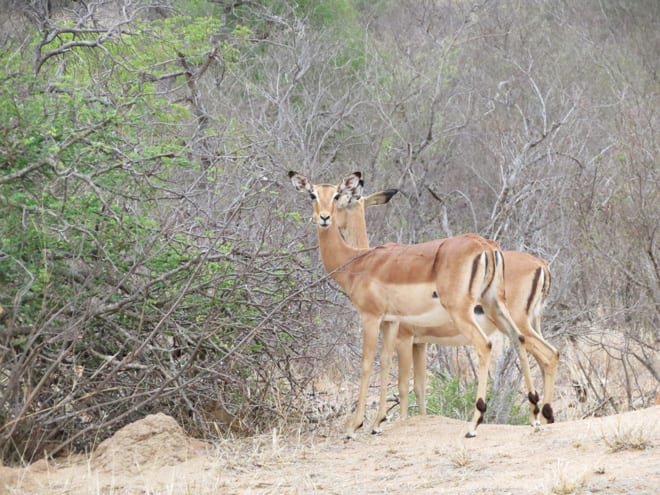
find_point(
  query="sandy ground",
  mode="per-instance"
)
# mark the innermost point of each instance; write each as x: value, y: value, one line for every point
x: 422, y: 455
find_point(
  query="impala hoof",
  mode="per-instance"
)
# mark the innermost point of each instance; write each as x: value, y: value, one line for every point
x: 376, y: 428
x: 351, y: 432
x: 548, y: 414
x: 471, y: 434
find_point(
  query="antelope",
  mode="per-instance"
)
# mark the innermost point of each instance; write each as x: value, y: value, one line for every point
x: 433, y: 284
x: 526, y: 284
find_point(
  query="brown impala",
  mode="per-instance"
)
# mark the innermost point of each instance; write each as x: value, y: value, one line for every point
x: 526, y: 282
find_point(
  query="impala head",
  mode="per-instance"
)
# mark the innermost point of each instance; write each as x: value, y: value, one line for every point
x: 350, y: 215
x: 351, y: 208
x: 325, y: 197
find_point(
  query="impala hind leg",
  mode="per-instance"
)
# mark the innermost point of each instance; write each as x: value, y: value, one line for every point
x: 532, y: 393
x: 549, y: 377
x: 369, y: 343
x: 505, y: 323
x: 468, y: 327
x: 494, y: 305
x: 547, y: 358
x: 389, y: 340
x: 483, y: 354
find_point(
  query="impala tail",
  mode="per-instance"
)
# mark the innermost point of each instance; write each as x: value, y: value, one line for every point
x: 538, y: 293
x: 482, y: 275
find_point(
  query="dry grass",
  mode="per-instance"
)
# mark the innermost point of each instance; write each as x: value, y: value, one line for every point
x: 629, y: 438
x: 461, y: 457
x: 561, y: 482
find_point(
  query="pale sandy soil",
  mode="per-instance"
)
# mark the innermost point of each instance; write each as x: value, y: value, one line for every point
x: 422, y: 455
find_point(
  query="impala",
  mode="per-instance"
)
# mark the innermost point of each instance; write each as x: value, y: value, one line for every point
x: 433, y: 284
x: 526, y: 283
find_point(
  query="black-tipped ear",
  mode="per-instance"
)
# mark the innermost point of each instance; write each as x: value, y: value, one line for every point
x: 300, y: 182
x: 359, y: 190
x: 390, y: 192
x: 379, y: 198
x: 351, y: 185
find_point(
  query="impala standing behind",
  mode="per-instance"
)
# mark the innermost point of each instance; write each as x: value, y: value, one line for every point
x: 526, y: 283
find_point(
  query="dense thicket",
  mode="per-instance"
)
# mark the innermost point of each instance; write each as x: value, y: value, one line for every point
x: 153, y: 256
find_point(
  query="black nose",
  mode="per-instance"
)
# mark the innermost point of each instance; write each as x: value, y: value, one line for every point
x: 325, y: 218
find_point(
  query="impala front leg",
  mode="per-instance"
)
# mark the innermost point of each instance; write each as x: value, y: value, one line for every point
x: 390, y: 330
x: 370, y: 326
x: 419, y: 375
x: 404, y: 357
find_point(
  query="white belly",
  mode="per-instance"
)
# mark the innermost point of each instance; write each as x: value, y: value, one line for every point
x: 437, y: 317
x: 455, y: 340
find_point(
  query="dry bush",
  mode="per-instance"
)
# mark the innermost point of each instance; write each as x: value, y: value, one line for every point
x: 194, y: 285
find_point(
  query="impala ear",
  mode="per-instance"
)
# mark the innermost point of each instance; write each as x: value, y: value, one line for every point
x: 351, y: 185
x: 379, y: 198
x: 300, y: 182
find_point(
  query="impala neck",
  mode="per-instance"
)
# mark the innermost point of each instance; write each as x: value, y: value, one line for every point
x: 335, y: 253
x: 355, y: 232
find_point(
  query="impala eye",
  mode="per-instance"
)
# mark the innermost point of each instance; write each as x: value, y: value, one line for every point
x: 336, y: 197
x: 313, y: 196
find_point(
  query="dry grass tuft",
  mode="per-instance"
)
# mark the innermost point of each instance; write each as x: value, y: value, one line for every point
x: 560, y: 482
x: 461, y: 458
x: 566, y: 487
x: 630, y: 438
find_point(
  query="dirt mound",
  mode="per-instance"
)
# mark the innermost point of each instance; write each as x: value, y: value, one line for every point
x: 156, y: 440
x: 425, y: 455
x: 7, y: 478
